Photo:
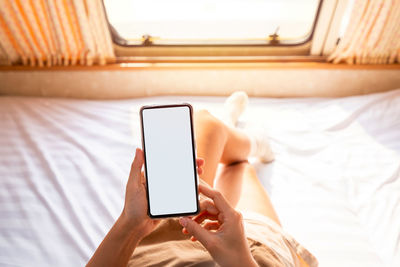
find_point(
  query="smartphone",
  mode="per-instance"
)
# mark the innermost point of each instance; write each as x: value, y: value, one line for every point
x: 170, y: 160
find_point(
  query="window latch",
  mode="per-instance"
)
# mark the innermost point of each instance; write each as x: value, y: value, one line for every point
x: 147, y: 40
x: 274, y: 38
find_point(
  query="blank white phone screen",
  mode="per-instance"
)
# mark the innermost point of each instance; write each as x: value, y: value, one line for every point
x: 169, y: 160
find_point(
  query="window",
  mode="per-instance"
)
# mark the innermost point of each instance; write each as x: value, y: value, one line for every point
x: 212, y: 22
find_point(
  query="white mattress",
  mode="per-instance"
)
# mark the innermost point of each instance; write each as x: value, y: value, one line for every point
x: 335, y: 181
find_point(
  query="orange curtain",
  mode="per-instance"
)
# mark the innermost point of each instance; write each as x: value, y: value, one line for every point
x: 372, y: 35
x: 54, y: 32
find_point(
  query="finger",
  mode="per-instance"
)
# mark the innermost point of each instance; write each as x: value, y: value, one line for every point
x: 219, y: 200
x: 142, y: 180
x: 184, y: 231
x: 136, y: 167
x: 197, y: 231
x: 200, y: 162
x: 199, y: 171
x: 212, y: 226
x: 205, y: 216
x: 209, y: 226
x: 209, y: 206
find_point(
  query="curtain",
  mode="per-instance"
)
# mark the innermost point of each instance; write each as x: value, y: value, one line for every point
x: 372, y: 35
x: 54, y: 32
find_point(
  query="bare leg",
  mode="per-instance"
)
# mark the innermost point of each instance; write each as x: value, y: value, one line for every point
x: 219, y: 144
x: 254, y: 197
x: 237, y: 180
x: 229, y: 181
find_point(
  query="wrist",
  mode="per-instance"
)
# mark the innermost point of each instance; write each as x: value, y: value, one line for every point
x: 129, y: 228
x: 246, y: 260
x: 252, y: 262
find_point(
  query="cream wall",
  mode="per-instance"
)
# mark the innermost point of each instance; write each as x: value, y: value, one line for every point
x: 144, y: 80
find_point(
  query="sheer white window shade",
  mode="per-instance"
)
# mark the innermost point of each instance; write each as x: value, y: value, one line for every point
x: 192, y: 22
x: 372, y: 35
x: 54, y: 32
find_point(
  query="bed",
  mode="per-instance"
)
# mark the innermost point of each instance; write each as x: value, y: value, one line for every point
x: 335, y: 182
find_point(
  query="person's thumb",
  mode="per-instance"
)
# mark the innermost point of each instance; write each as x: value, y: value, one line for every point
x: 136, y: 167
x: 194, y: 229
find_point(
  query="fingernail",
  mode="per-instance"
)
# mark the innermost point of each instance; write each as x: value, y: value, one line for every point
x: 183, y: 221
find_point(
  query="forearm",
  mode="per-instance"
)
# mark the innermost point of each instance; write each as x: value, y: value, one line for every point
x: 117, y: 246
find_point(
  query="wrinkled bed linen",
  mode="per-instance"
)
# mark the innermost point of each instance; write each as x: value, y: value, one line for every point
x: 335, y: 182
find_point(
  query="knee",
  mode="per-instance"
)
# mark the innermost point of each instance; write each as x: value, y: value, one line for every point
x: 241, y: 163
x: 207, y: 124
x: 203, y: 118
x: 202, y: 115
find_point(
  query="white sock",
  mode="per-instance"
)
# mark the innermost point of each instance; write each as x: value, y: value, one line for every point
x: 259, y: 147
x: 234, y: 106
x: 253, y: 146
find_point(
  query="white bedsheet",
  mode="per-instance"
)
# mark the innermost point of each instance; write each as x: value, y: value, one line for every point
x: 335, y: 181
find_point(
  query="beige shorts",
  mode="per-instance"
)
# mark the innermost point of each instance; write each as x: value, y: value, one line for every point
x: 264, y: 230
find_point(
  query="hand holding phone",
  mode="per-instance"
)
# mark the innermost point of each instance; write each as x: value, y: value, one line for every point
x: 136, y: 204
x: 135, y: 208
x: 170, y: 160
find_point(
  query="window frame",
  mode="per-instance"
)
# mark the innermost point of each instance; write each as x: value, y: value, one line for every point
x: 327, y: 31
x: 269, y: 51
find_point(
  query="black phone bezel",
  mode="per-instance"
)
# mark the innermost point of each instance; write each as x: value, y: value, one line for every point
x: 194, y: 160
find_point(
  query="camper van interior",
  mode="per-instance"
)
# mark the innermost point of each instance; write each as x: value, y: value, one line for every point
x: 295, y: 132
